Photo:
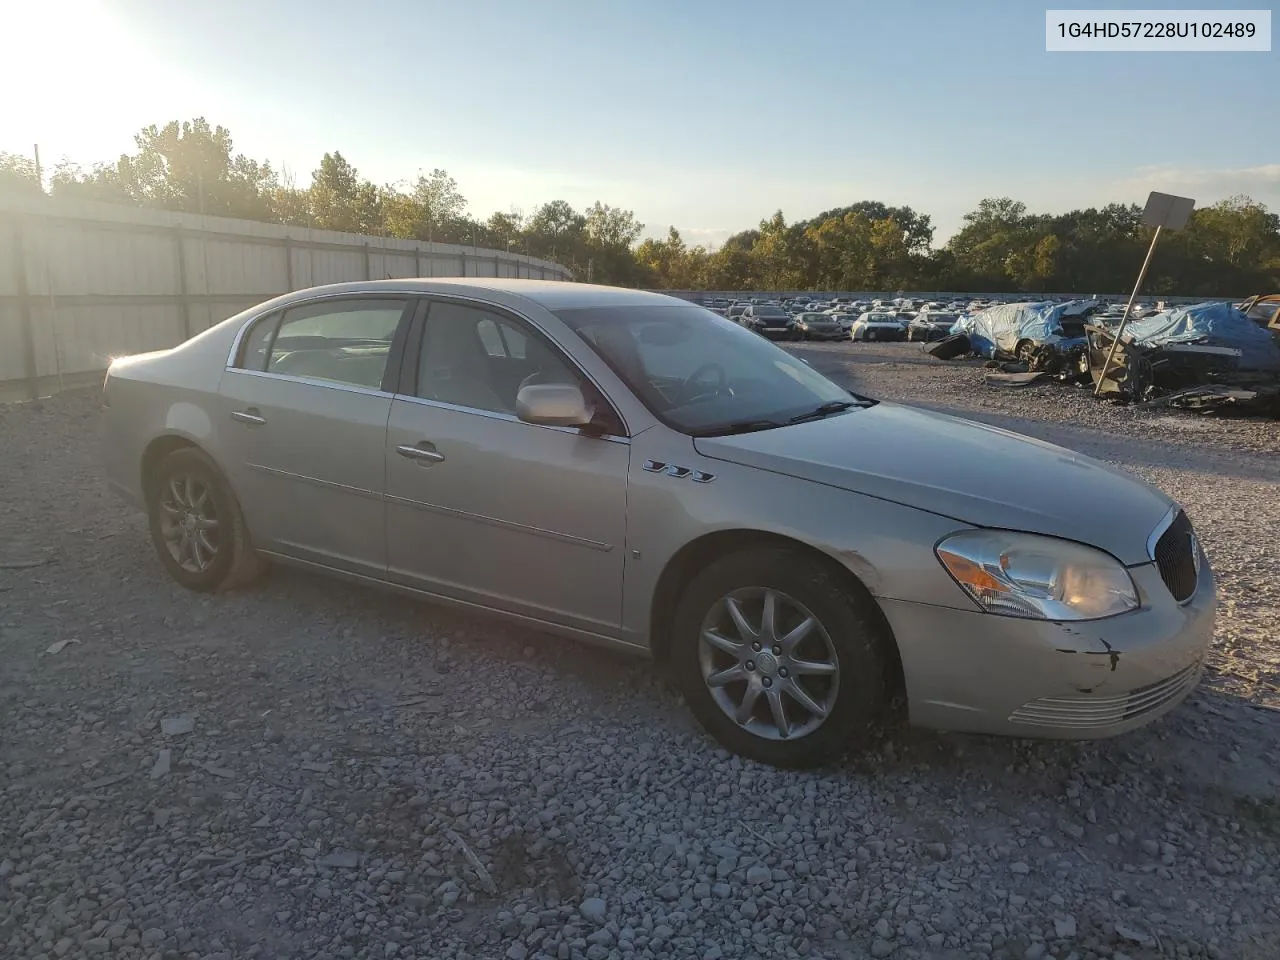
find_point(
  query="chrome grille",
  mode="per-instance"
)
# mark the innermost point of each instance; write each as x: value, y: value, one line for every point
x: 1085, y: 711
x: 1177, y: 556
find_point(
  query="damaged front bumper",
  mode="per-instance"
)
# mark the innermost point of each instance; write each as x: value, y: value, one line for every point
x: 974, y: 672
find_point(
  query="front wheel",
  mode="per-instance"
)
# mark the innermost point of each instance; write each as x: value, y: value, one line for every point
x: 778, y: 660
x: 196, y: 525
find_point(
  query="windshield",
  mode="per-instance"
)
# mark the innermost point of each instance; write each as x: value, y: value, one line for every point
x: 696, y: 371
x: 770, y: 313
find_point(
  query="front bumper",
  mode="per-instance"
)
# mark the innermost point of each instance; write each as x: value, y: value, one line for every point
x: 974, y: 672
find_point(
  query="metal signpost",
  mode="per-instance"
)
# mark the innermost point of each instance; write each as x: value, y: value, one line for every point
x: 1163, y: 211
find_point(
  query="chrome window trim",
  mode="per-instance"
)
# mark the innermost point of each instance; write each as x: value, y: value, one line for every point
x: 499, y: 415
x: 1165, y: 523
x: 427, y: 295
x: 312, y: 381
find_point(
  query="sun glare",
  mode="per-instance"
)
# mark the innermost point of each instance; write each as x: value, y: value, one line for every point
x: 79, y: 79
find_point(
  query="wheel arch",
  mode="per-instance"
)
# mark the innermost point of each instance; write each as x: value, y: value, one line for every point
x: 698, y: 553
x: 160, y: 447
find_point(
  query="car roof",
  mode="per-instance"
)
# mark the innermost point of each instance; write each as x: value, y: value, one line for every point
x: 549, y: 294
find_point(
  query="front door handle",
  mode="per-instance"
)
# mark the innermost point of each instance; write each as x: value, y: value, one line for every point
x: 248, y: 416
x: 426, y: 452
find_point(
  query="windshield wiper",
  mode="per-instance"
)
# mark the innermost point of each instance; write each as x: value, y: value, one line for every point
x: 740, y: 426
x: 820, y: 411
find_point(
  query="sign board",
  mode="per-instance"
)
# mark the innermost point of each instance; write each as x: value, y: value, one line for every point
x: 1166, y: 210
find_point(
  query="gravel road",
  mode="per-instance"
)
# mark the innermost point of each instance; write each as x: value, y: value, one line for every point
x: 308, y: 769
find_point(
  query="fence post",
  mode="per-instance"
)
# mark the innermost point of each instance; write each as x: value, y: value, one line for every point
x: 462, y: 259
x: 25, y: 321
x: 496, y: 272
x: 417, y: 260
x: 368, y: 262
x: 288, y: 263
x: 184, y: 297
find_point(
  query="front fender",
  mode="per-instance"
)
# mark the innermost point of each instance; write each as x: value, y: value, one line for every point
x: 888, y: 546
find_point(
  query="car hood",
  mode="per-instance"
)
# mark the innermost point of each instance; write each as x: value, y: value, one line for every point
x: 974, y: 473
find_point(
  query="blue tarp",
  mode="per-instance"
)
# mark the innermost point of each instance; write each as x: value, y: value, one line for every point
x: 1007, y: 325
x: 1212, y: 324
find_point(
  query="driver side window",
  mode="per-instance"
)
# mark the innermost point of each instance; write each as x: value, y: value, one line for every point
x: 478, y: 358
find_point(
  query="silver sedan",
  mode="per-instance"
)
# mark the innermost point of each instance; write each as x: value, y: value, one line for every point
x: 631, y: 469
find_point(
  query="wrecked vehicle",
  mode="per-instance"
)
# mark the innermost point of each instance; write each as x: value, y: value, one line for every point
x: 1046, y: 336
x: 1263, y: 310
x: 929, y: 325
x: 1205, y: 356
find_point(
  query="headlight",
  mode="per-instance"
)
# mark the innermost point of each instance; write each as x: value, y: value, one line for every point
x: 1023, y: 575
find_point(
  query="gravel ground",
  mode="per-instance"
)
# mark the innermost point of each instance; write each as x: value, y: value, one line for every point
x: 308, y: 769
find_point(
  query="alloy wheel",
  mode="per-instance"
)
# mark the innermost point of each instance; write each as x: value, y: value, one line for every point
x: 768, y: 663
x: 189, y: 522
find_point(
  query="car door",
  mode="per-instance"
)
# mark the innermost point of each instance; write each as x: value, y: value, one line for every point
x: 305, y: 418
x: 486, y: 508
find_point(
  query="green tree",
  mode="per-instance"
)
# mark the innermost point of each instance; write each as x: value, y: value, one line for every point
x: 557, y: 223
x: 432, y: 209
x: 340, y: 199
x: 610, y: 233
x: 102, y: 184
x: 18, y: 176
x: 190, y: 166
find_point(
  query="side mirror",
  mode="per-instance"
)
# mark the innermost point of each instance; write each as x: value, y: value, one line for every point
x: 553, y: 405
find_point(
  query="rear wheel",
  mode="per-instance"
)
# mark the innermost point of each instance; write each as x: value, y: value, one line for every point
x: 196, y: 524
x: 778, y: 660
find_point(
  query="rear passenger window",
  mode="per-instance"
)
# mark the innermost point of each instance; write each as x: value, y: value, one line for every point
x: 344, y: 341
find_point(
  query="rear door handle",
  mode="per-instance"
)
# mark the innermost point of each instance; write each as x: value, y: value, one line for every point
x: 248, y: 416
x: 424, y: 451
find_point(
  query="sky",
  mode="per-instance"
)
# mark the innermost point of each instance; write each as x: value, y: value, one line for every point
x: 708, y: 115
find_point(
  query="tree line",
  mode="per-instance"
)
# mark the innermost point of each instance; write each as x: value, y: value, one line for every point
x: 1227, y: 249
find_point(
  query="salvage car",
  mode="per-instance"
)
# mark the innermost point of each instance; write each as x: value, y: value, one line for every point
x: 929, y: 325
x: 770, y: 321
x: 878, y: 326
x: 630, y: 469
x: 820, y: 326
x: 1264, y: 310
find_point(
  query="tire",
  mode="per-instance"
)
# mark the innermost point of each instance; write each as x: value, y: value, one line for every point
x: 847, y: 634
x: 798, y: 336
x: 217, y: 557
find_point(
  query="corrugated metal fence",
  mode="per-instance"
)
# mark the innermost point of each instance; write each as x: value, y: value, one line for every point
x: 80, y: 283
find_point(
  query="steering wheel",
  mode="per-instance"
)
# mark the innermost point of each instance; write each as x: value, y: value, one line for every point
x: 722, y: 383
